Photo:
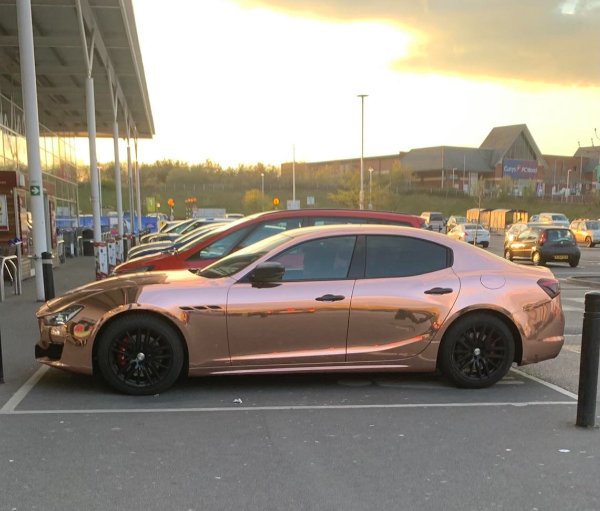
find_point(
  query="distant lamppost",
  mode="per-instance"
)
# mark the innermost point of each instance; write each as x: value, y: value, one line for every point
x: 262, y: 191
x: 370, y: 188
x: 568, y: 192
x: 361, y: 196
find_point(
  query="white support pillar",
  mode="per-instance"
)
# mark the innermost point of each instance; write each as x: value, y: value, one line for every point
x: 90, y: 103
x: 130, y: 179
x: 32, y: 130
x: 138, y: 185
x: 118, y: 185
x: 94, y: 181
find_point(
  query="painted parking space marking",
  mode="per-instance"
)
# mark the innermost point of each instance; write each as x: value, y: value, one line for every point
x: 545, y: 383
x: 21, y: 394
x: 283, y: 408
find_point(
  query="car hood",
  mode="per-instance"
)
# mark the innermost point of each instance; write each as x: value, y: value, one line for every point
x: 140, y: 262
x: 119, y: 290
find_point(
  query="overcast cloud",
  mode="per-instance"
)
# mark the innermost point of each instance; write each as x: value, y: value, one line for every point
x: 543, y: 41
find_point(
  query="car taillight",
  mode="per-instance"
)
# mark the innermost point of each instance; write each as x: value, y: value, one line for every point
x: 551, y: 286
x: 543, y: 238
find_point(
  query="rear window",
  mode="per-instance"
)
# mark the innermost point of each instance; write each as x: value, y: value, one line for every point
x: 560, y: 218
x: 436, y: 217
x: 559, y: 235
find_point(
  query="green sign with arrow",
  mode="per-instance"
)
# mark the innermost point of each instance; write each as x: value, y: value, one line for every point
x: 35, y: 190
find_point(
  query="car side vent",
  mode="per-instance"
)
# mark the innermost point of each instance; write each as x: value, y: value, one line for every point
x: 202, y: 308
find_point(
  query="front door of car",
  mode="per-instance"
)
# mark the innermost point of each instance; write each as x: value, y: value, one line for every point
x: 404, y: 298
x: 301, y: 320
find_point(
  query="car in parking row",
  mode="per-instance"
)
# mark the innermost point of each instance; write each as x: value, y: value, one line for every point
x: 250, y: 229
x: 475, y: 234
x: 541, y: 245
x: 334, y: 298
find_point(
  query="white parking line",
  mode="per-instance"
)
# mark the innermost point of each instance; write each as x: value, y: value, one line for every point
x: 20, y: 394
x: 547, y: 384
x: 282, y: 408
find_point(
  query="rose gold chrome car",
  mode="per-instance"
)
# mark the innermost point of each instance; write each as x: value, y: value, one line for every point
x: 332, y: 298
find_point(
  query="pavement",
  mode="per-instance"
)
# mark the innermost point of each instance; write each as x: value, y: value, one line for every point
x: 306, y: 442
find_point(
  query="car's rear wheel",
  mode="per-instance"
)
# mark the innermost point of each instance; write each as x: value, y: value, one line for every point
x: 588, y: 242
x: 485, y: 244
x: 140, y: 354
x: 477, y: 351
x: 508, y: 254
x: 537, y: 259
x: 573, y: 262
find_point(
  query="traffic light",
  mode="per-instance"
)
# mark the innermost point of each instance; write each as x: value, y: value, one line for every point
x: 275, y: 201
x: 171, y: 203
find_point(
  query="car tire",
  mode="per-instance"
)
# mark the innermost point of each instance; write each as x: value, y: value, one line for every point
x: 573, y: 263
x: 476, y: 351
x: 140, y: 354
x: 485, y: 244
x: 537, y: 259
x: 508, y: 254
x: 588, y: 242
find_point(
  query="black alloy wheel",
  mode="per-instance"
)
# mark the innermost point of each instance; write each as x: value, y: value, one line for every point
x: 477, y: 351
x: 140, y: 354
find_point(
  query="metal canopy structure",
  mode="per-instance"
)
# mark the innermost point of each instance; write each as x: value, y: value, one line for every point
x: 111, y: 42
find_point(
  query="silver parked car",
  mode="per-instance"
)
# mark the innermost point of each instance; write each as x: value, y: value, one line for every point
x: 586, y: 231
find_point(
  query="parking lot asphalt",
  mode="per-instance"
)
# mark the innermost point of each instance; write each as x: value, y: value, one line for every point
x: 378, y: 441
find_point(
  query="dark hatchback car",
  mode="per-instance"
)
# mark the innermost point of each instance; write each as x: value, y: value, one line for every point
x: 542, y: 245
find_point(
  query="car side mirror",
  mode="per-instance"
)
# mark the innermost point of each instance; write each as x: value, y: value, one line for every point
x: 267, y: 273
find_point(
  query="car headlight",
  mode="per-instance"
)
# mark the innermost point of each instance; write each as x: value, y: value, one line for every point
x: 62, y: 317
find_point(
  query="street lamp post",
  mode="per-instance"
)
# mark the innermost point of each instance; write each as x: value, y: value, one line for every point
x: 262, y: 191
x: 370, y: 188
x: 568, y: 192
x: 361, y: 196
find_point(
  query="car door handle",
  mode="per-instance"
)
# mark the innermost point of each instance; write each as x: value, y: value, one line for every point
x: 330, y: 298
x: 439, y: 291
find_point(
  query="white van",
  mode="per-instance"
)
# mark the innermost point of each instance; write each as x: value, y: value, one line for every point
x: 554, y: 219
x: 434, y: 220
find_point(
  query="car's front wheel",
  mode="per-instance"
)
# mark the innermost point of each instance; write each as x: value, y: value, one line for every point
x: 140, y: 354
x: 477, y: 351
x: 508, y: 254
x: 574, y: 262
x: 537, y: 259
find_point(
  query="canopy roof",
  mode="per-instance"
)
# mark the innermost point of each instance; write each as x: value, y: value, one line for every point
x: 61, y: 67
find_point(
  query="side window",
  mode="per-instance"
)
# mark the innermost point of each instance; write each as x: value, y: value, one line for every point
x: 403, y: 256
x: 322, y: 259
x: 221, y: 247
x: 270, y: 228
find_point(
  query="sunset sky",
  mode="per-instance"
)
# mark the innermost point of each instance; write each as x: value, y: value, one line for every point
x: 243, y: 81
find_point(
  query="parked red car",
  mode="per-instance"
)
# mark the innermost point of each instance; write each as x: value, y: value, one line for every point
x: 250, y: 229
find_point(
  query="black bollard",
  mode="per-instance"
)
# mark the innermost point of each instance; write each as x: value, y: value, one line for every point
x: 590, y: 357
x: 1, y: 366
x: 47, y: 275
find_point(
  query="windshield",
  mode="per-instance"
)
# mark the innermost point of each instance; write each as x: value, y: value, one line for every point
x: 196, y: 233
x: 239, y: 260
x: 473, y: 227
x: 559, y: 218
x: 435, y: 217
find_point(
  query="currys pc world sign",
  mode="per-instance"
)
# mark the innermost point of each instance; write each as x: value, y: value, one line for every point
x: 520, y: 169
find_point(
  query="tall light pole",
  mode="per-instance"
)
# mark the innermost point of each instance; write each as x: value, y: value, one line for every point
x: 294, y: 174
x: 361, y: 195
x: 370, y: 188
x: 262, y: 191
x: 568, y: 192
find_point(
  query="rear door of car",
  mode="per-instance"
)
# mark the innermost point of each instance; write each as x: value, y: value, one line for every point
x: 400, y: 301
